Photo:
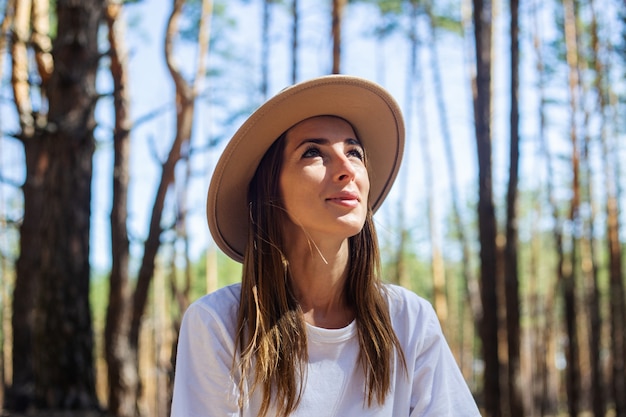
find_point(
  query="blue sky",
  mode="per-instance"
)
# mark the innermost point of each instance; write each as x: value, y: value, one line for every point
x: 385, y: 63
x: 151, y: 88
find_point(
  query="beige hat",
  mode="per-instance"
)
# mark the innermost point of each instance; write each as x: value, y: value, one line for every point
x: 372, y: 112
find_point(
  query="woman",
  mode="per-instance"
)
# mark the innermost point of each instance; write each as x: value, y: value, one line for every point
x: 311, y: 330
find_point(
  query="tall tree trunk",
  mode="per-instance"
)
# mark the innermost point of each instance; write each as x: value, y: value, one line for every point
x: 21, y: 394
x: 548, y: 390
x: 337, y: 17
x: 598, y: 396
x: 402, y: 276
x: 122, y: 379
x: 265, y: 48
x: 471, y: 286
x: 63, y: 348
x: 589, y: 269
x: 180, y: 295
x: 52, y: 367
x: 295, y: 25
x: 185, y: 103
x: 549, y: 334
x: 617, y: 296
x: 516, y: 404
x: 486, y: 209
x: 568, y: 270
x: 436, y: 260
x: 471, y: 283
x: 535, y: 315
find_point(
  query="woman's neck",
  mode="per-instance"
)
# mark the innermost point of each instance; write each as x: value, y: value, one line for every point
x: 319, y: 275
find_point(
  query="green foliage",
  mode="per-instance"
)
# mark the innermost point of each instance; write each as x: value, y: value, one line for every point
x: 221, y: 21
x: 99, y: 297
x: 387, y: 6
x: 392, y: 15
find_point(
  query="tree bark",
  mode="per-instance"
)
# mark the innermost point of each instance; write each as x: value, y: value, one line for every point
x: 52, y: 330
x: 546, y: 373
x: 337, y: 17
x: 21, y: 393
x: 471, y: 283
x: 440, y: 300
x: 63, y: 348
x: 121, y: 371
x: 295, y: 25
x: 568, y: 270
x: 486, y: 209
x: 589, y: 269
x: 185, y: 100
x: 516, y: 404
x: 265, y: 47
x: 617, y: 296
x: 402, y: 276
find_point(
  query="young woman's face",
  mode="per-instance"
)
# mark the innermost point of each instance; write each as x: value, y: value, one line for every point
x: 323, y: 181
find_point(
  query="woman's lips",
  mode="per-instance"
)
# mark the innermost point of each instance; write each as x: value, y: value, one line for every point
x: 345, y: 198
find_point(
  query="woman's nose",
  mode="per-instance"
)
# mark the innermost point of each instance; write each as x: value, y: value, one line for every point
x: 344, y: 169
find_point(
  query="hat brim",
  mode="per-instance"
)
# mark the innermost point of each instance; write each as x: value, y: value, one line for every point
x: 370, y: 109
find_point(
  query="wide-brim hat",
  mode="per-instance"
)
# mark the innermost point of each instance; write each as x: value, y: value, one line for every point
x: 373, y: 113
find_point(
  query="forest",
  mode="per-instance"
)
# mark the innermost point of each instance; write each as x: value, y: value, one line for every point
x: 508, y: 213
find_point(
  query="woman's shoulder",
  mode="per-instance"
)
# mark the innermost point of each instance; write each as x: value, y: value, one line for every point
x: 408, y: 310
x: 222, y: 297
x: 218, y: 306
x: 403, y: 300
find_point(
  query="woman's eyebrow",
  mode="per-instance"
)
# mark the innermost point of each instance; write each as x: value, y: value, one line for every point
x: 353, y: 141
x: 324, y: 141
x: 317, y: 141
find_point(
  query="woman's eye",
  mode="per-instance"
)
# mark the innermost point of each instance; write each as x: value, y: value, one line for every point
x: 357, y: 153
x: 311, y: 152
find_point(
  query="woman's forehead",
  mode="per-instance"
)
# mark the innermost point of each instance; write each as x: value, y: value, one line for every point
x: 322, y: 127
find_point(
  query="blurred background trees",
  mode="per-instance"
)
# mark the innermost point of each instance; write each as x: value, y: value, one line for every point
x: 507, y: 214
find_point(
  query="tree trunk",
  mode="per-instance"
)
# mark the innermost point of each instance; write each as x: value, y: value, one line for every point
x: 402, y: 276
x: 436, y: 261
x: 486, y: 209
x: 337, y: 17
x: 589, y: 269
x: 568, y: 271
x: 63, y: 348
x: 598, y: 395
x: 516, y: 404
x: 122, y: 378
x: 21, y: 393
x: 617, y: 302
x: 471, y: 287
x: 295, y: 25
x: 546, y: 400
x: 265, y: 48
x: 471, y: 283
x: 185, y: 100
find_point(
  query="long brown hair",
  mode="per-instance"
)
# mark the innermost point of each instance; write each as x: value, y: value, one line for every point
x: 271, y: 332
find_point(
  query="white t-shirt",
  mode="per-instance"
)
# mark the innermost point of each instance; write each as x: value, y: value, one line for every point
x: 334, y: 380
